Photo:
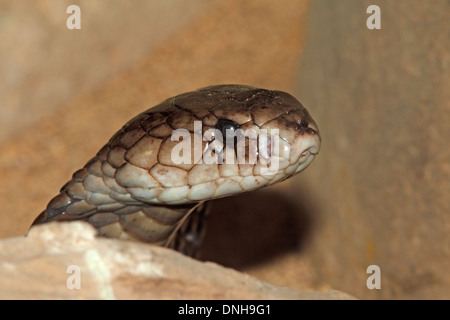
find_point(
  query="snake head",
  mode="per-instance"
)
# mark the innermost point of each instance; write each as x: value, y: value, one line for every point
x: 161, y: 165
x: 270, y: 131
x: 211, y: 143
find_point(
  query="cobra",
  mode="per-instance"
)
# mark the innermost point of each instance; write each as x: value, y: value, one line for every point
x: 133, y: 189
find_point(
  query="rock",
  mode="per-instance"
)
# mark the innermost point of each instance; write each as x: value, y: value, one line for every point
x: 45, y: 263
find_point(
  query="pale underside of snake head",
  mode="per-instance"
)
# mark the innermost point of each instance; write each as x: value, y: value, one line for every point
x: 166, y: 162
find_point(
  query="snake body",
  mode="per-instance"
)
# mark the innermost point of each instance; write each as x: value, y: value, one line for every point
x: 133, y: 189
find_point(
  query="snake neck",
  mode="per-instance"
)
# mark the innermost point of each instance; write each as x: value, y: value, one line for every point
x: 180, y: 227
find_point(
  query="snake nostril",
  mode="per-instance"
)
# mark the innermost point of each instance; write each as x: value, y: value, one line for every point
x: 303, y: 124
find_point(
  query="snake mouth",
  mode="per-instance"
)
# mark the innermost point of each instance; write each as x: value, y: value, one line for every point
x: 314, y: 150
x: 304, y: 161
x: 309, y: 146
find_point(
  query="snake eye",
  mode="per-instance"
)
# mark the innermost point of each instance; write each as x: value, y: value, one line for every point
x: 228, y: 129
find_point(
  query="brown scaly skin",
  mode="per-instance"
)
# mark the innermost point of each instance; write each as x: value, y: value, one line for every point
x: 133, y: 190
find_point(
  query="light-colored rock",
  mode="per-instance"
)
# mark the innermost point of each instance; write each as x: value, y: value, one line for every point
x: 41, y: 265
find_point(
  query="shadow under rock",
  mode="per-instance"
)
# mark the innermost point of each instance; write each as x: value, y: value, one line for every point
x: 252, y: 228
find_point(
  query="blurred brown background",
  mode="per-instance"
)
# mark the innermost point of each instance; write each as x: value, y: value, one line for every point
x: 376, y: 194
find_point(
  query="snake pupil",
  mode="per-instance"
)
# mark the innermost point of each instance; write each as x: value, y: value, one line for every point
x: 228, y: 129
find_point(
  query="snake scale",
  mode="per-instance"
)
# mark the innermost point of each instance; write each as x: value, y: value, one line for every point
x: 135, y: 189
